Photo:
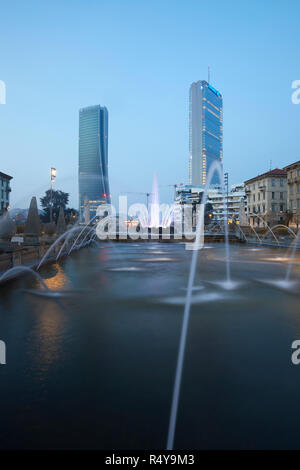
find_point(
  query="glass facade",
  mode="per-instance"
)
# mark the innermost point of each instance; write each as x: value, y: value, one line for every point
x: 4, y: 191
x: 205, y: 131
x: 93, y: 158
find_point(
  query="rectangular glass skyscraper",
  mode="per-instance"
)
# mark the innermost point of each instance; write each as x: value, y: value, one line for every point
x: 93, y: 158
x: 205, y: 131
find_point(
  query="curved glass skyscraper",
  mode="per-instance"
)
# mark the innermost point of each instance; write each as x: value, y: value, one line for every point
x: 206, y: 131
x: 93, y: 158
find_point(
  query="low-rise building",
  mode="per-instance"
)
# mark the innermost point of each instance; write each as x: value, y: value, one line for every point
x: 293, y: 196
x: 5, y: 190
x: 267, y: 198
x: 236, y: 196
x: 186, y: 194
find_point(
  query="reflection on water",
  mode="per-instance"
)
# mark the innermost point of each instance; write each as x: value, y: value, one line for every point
x: 92, y: 364
x: 46, y: 338
x: 56, y: 278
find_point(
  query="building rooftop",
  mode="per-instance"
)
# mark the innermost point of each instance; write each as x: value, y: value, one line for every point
x: 5, y: 176
x: 291, y: 165
x: 204, y: 83
x: 270, y: 173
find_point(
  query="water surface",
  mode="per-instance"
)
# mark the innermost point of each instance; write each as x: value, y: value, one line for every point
x: 92, y: 364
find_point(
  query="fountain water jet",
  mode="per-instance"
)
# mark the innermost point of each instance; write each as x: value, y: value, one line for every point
x: 91, y: 229
x: 289, y: 268
x: 154, y: 220
x: 20, y: 269
x: 215, y: 167
x: 81, y: 233
x: 253, y: 229
x: 78, y: 227
x: 266, y: 224
x: 66, y: 241
x: 54, y: 244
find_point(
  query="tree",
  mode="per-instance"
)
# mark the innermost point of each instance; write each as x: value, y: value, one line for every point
x: 59, y: 199
x: 71, y: 215
x: 288, y: 216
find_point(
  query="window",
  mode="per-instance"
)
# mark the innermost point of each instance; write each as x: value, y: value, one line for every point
x: 291, y: 190
x: 298, y: 188
x: 253, y: 197
x: 264, y: 195
x: 298, y: 203
x: 254, y: 186
x: 273, y: 207
x: 264, y: 208
x: 281, y: 195
x: 259, y: 196
x: 281, y: 208
x: 273, y: 195
x: 298, y: 172
x: 273, y: 182
x: 291, y: 204
x: 281, y: 182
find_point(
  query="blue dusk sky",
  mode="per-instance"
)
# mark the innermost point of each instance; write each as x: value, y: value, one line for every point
x: 138, y: 58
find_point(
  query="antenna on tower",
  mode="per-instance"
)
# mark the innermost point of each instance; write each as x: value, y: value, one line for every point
x: 270, y: 165
x: 208, y: 75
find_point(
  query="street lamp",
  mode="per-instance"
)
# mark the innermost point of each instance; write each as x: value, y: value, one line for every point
x: 226, y: 186
x: 52, y: 179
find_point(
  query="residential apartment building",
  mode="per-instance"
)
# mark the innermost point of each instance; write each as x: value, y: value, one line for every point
x: 267, y: 198
x: 5, y: 190
x: 186, y: 194
x: 236, y: 196
x: 293, y: 197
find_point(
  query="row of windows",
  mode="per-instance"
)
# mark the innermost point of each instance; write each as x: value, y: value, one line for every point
x: 294, y: 173
x: 262, y: 208
x: 273, y: 183
x: 4, y: 184
x: 4, y: 194
x: 264, y: 196
x: 293, y: 204
x: 291, y: 189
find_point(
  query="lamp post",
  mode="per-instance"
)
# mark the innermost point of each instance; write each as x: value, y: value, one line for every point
x: 52, y: 179
x: 226, y: 186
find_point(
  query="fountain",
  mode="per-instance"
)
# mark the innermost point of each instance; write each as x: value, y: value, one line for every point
x: 61, y: 237
x: 289, y: 268
x: 215, y: 167
x: 154, y: 219
x: 91, y: 229
x: 284, y: 226
x: 18, y: 269
x: 266, y: 224
x: 80, y: 233
x: 69, y: 234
